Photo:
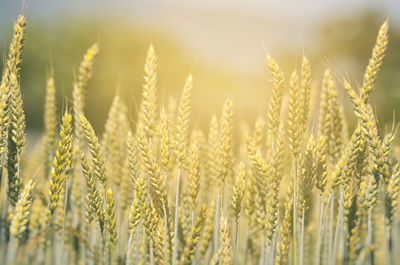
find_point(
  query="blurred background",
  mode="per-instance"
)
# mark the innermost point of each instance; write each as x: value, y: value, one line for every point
x: 222, y: 43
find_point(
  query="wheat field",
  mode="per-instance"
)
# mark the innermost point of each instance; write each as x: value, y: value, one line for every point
x: 297, y: 187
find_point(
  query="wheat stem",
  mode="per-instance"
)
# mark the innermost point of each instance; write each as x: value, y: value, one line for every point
x: 319, y: 222
x: 175, y: 246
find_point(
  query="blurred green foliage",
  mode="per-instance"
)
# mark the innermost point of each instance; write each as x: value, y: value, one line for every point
x: 343, y: 44
x: 119, y: 66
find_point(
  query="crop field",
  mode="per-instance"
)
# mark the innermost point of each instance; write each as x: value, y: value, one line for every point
x: 299, y: 186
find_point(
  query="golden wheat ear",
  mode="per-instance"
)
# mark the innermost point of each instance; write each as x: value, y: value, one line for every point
x: 10, y: 99
x: 148, y: 110
x: 226, y: 248
x: 293, y: 127
x: 61, y: 164
x: 158, y: 190
x: 93, y: 202
x: 50, y: 123
x: 195, y: 233
x: 238, y: 193
x: 225, y: 160
x: 274, y: 109
x: 79, y: 89
x: 183, y: 119
x: 12, y: 115
x: 21, y: 217
x: 165, y: 140
x: 111, y: 218
x: 375, y: 62
x: 212, y: 150
x: 95, y: 150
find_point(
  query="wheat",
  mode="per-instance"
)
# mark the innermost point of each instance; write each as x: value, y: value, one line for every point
x: 95, y: 151
x: 94, y: 202
x: 333, y: 200
x: 149, y: 103
x: 79, y: 89
x: 238, y: 192
x: 190, y: 248
x: 158, y: 189
x: 165, y: 139
x: 375, y: 61
x: 305, y: 93
x: 276, y: 100
x: 207, y: 231
x: 212, y: 150
x: 113, y: 138
x: 20, y: 219
x: 226, y: 251
x: 182, y: 129
x: 321, y: 174
x: 181, y: 149
x: 194, y: 174
x: 259, y: 133
x: 50, y: 122
x: 260, y: 179
x: 111, y: 218
x: 286, y: 232
x: 225, y: 144
x: 294, y: 128
x: 330, y: 118
x: 15, y: 121
x: 151, y: 220
x: 134, y: 216
x: 276, y: 174
x: 61, y: 163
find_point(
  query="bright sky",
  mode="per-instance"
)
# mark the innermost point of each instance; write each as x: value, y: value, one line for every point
x: 290, y: 8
